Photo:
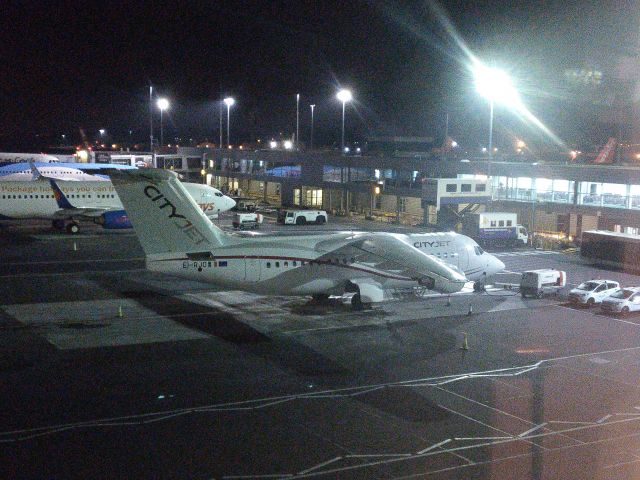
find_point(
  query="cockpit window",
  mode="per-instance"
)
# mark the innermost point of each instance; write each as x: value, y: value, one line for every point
x: 478, y: 250
x: 218, y: 194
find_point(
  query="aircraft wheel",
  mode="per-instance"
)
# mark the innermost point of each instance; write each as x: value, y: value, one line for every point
x: 478, y: 287
x: 73, y: 227
x: 58, y: 224
x: 320, y: 297
x: 356, y: 302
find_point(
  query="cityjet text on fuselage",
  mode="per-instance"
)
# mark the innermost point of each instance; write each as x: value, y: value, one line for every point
x: 432, y: 243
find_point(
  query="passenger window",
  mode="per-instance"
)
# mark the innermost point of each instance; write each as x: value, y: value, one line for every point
x: 268, y: 264
x: 508, y: 223
x: 452, y: 187
x: 277, y: 264
x: 481, y: 187
x: 501, y: 223
x: 493, y: 223
x: 601, y: 288
x: 465, y: 187
x: 286, y: 264
x: 295, y: 264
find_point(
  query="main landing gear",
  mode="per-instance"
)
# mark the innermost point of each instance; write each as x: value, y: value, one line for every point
x: 72, y: 227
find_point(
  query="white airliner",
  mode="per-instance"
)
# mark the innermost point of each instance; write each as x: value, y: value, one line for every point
x: 460, y: 251
x: 97, y: 201
x: 7, y: 158
x: 179, y: 239
x: 86, y: 172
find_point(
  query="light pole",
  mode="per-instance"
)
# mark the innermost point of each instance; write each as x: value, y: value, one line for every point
x: 229, y: 101
x: 297, y: 120
x: 150, y: 118
x: 220, y: 125
x: 496, y: 86
x: 162, y: 104
x: 344, y: 96
x: 311, y: 142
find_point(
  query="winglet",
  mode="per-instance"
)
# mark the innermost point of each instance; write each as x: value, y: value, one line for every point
x: 34, y: 170
x: 60, y: 197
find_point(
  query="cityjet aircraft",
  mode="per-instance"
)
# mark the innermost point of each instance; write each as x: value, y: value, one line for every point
x: 179, y: 239
x: 97, y: 201
x: 460, y: 251
x: 86, y: 172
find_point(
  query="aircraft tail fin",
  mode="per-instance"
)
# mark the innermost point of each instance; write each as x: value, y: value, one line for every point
x: 165, y: 217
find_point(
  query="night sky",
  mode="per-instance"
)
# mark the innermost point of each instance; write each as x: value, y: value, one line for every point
x: 68, y: 65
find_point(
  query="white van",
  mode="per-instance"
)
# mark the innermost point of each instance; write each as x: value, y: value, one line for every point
x: 623, y: 301
x: 301, y: 217
x: 538, y: 282
x: 247, y: 221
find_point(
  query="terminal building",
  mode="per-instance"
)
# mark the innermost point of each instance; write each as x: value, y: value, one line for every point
x: 424, y: 188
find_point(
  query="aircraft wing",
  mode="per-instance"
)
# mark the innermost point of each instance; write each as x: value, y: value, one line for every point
x: 69, y: 210
x: 88, y: 212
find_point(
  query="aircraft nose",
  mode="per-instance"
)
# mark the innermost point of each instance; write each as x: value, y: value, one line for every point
x: 230, y: 203
x: 497, y: 265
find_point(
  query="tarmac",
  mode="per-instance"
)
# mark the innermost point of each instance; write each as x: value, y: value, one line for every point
x: 112, y: 371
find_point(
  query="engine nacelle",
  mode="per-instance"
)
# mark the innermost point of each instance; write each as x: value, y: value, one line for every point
x: 114, y: 220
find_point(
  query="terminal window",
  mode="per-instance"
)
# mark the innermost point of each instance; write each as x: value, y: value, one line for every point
x: 452, y: 187
x: 465, y: 187
x: 481, y: 187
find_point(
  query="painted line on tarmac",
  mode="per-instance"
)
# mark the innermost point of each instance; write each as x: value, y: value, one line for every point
x: 608, y: 317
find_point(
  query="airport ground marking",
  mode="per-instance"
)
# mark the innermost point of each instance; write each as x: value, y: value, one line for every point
x: 255, y: 404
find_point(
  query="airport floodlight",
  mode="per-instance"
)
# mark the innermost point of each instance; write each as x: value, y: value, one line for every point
x: 344, y: 95
x: 288, y: 144
x: 521, y: 144
x: 229, y: 102
x: 273, y: 144
x: 454, y: 144
x: 102, y: 131
x: 496, y: 86
x: 346, y: 149
x: 162, y: 104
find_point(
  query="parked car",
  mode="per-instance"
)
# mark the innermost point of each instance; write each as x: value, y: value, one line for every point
x: 592, y: 292
x: 623, y: 301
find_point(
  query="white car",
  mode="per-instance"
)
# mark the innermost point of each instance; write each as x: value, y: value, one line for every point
x: 592, y: 292
x: 623, y: 301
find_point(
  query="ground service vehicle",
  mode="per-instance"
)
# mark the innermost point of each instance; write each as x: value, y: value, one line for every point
x: 495, y: 228
x: 538, y: 282
x: 246, y: 221
x: 622, y: 301
x: 301, y: 217
x: 592, y: 292
x: 246, y: 205
x: 611, y: 248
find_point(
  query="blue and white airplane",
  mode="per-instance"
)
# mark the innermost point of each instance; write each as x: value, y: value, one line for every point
x: 85, y: 172
x: 68, y: 202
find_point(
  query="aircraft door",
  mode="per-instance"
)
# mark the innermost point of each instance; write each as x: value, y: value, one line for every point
x: 463, y: 258
x: 252, y: 269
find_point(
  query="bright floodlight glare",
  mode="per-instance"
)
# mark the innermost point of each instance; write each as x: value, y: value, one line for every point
x: 495, y: 85
x: 454, y: 144
x: 288, y: 144
x: 229, y: 101
x: 162, y: 103
x: 344, y: 95
x: 101, y: 131
x: 273, y: 144
x: 346, y: 149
